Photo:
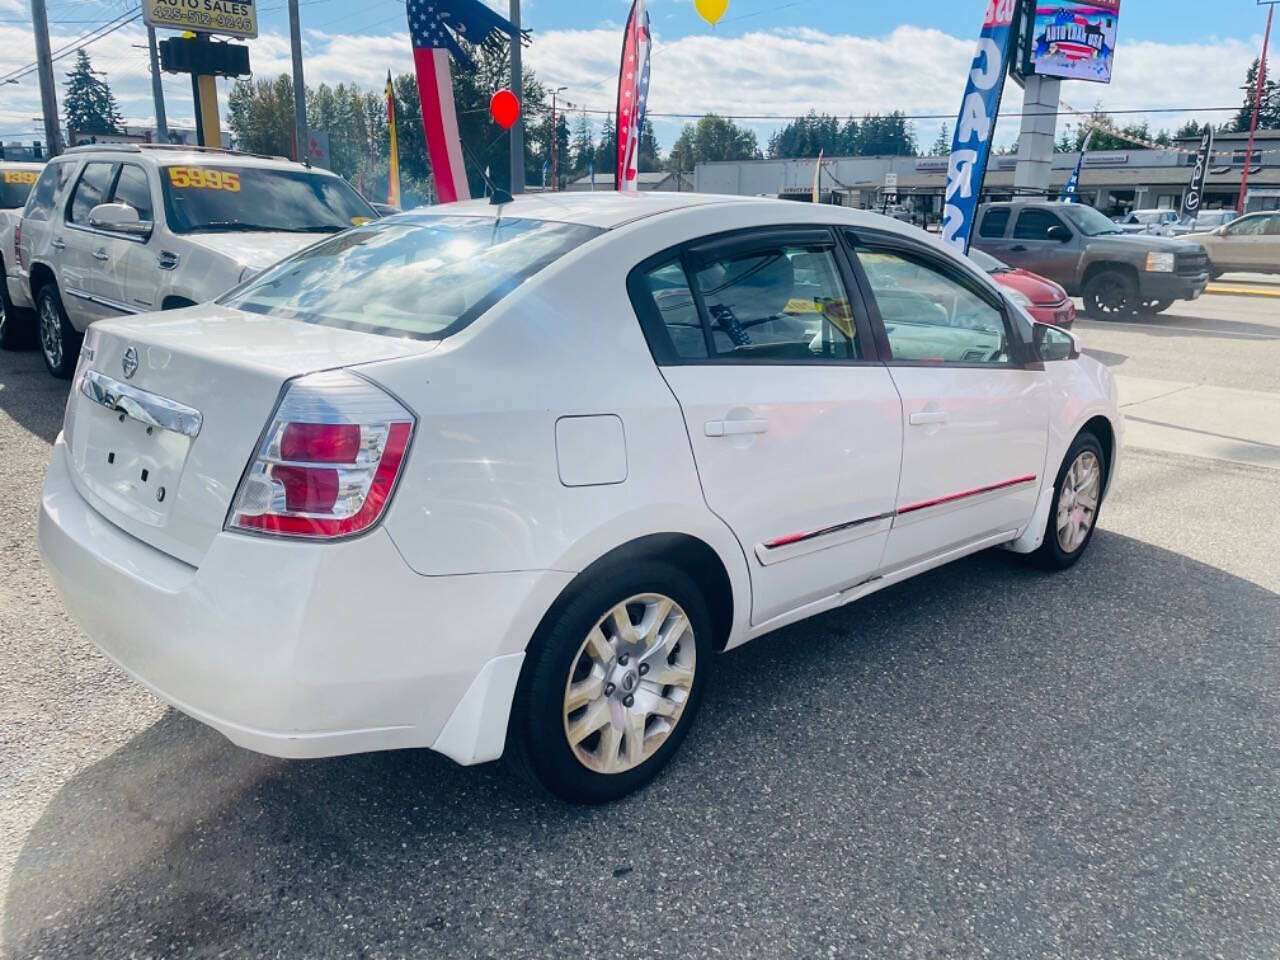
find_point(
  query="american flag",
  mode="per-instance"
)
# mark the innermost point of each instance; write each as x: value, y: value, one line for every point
x: 633, y: 94
x: 435, y: 27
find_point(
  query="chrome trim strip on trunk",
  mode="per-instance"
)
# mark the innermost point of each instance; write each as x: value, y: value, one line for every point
x: 141, y: 405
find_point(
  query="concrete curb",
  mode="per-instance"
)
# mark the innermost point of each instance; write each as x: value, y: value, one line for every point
x: 1222, y: 289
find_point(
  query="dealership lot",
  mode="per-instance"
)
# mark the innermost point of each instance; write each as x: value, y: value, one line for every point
x: 985, y: 758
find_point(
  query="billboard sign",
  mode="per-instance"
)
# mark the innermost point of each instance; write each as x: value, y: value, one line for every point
x: 971, y: 145
x: 229, y: 18
x: 1074, y: 41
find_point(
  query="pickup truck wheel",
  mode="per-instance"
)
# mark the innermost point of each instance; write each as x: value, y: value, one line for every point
x: 59, y: 340
x: 1111, y: 295
x: 1152, y: 307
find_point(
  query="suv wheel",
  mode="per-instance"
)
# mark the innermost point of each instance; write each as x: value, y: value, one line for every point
x: 611, y: 684
x: 1111, y: 294
x: 59, y: 341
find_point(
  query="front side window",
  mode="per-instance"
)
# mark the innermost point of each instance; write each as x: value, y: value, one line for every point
x: 1034, y: 224
x: 44, y: 197
x: 15, y: 186
x: 422, y: 277
x: 931, y: 317
x: 778, y: 303
x: 132, y: 188
x: 995, y: 222
x: 90, y: 191
x: 207, y: 199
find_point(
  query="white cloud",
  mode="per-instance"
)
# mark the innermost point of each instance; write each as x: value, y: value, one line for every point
x: 765, y: 72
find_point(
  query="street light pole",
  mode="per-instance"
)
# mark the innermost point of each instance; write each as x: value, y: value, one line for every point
x: 555, y: 142
x: 1257, y: 101
x: 157, y: 87
x: 48, y: 92
x: 303, y: 149
x: 517, y: 87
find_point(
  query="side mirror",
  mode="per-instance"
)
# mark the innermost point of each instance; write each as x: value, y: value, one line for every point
x: 1054, y: 343
x: 1059, y: 233
x: 119, y: 218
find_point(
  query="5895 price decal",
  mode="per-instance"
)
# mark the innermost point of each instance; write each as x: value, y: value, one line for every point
x: 202, y: 178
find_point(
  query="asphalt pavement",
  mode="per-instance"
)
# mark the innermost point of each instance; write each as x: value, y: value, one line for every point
x: 987, y: 761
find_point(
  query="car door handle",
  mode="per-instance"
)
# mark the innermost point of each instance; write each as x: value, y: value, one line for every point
x: 100, y: 255
x: 932, y: 416
x: 58, y: 243
x: 1017, y: 248
x: 735, y: 428
x: 168, y: 260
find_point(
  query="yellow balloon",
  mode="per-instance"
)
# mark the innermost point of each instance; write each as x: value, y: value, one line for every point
x: 711, y: 10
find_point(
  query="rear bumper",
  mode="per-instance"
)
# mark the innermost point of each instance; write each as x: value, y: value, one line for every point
x: 1171, y: 286
x: 296, y: 649
x: 17, y: 288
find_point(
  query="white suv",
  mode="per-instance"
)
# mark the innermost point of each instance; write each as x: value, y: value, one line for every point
x: 116, y: 230
x: 16, y: 181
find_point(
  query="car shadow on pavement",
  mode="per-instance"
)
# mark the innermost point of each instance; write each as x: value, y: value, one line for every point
x: 34, y: 400
x: 988, y: 757
x: 1185, y: 325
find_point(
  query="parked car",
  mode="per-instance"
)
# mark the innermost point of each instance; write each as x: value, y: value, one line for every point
x: 1045, y: 300
x: 1117, y: 274
x: 1203, y: 222
x: 1250, y: 244
x: 1147, y: 221
x: 16, y: 181
x: 113, y: 230
x: 385, y: 209
x: 516, y: 474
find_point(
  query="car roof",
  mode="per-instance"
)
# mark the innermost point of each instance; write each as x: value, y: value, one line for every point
x: 610, y: 209
x: 22, y: 164
x: 168, y: 154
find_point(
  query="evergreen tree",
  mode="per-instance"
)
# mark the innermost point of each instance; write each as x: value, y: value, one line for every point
x: 607, y: 149
x: 650, y: 158
x: 88, y: 104
x: 1268, y: 104
x: 1189, y: 129
x: 942, y: 145
x: 583, y: 145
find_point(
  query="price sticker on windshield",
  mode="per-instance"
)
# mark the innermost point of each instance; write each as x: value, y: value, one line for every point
x: 20, y: 176
x: 204, y: 178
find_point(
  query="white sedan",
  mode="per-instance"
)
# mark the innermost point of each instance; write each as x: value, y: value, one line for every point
x: 505, y: 479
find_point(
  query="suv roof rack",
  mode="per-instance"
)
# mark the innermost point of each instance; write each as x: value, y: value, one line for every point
x: 175, y: 147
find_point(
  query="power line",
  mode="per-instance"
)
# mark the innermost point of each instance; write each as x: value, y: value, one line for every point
x: 918, y: 116
x: 107, y: 28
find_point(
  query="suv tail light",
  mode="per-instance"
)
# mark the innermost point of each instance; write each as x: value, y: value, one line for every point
x: 17, y: 243
x: 328, y: 462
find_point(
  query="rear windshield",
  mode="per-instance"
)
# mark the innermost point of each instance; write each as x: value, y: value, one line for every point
x: 421, y: 277
x: 14, y: 187
x: 209, y: 199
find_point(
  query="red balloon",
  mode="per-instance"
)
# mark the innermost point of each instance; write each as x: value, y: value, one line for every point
x: 505, y: 109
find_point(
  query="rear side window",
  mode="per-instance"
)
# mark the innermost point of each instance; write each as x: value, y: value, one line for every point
x: 1034, y: 225
x: 45, y: 195
x: 422, y: 277
x: 994, y: 223
x: 90, y: 191
x: 667, y: 290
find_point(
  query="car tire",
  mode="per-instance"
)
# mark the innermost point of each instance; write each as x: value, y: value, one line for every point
x: 15, y: 327
x: 1152, y: 307
x: 569, y: 685
x: 1111, y: 295
x: 1077, y: 498
x: 59, y: 340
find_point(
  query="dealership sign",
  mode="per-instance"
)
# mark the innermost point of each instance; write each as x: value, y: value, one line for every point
x: 1195, y: 190
x: 230, y: 18
x: 1074, y: 41
x: 971, y: 145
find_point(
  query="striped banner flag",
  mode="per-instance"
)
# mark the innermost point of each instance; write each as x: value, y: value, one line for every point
x: 393, y: 178
x: 633, y: 95
x: 435, y: 27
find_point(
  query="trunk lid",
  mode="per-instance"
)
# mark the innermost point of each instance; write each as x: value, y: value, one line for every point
x: 160, y: 451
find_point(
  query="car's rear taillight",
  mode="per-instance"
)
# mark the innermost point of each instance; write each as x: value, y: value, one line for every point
x: 328, y: 463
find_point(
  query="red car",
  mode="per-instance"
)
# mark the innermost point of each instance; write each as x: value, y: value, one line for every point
x: 1039, y: 296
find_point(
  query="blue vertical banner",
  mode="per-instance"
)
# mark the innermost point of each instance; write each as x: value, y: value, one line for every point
x: 1072, y: 187
x: 971, y: 145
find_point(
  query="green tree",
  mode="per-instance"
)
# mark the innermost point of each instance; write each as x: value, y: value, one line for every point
x: 1268, y: 104
x: 583, y: 146
x: 886, y: 135
x: 88, y: 104
x: 808, y: 136
x: 942, y: 145
x: 714, y: 138
x: 1189, y: 129
x: 260, y: 114
x: 650, y: 158
x: 607, y: 149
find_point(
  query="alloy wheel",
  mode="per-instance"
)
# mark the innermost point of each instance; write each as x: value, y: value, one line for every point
x: 1078, y: 501
x: 629, y: 683
x: 50, y: 332
x: 1112, y: 297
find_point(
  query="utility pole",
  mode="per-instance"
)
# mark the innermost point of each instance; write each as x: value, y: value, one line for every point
x: 517, y: 87
x: 48, y: 92
x: 1257, y: 101
x: 157, y: 88
x: 555, y: 142
x: 303, y: 139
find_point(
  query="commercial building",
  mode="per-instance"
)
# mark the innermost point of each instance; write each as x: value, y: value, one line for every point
x: 1114, y: 181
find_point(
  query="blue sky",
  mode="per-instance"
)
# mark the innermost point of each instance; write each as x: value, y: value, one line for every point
x: 767, y: 57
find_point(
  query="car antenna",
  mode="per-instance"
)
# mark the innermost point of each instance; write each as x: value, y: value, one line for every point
x: 497, y: 196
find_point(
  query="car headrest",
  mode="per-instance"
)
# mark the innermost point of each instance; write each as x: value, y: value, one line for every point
x: 753, y: 287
